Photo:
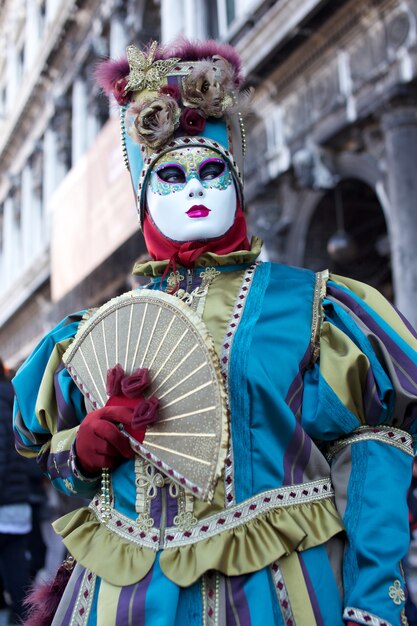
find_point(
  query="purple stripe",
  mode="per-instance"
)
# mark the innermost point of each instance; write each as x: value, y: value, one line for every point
x: 410, y: 415
x: 171, y: 508
x: 295, y: 392
x: 124, y: 605
x: 73, y: 599
x: 56, y: 465
x: 20, y: 431
x: 405, y: 322
x: 303, y: 459
x: 298, y: 452
x: 311, y: 593
x: 66, y: 415
x: 235, y: 588
x: 21, y: 445
x: 371, y: 402
x: 389, y: 343
x: 132, y: 602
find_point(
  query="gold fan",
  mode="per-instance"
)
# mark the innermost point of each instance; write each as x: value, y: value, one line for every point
x: 153, y: 330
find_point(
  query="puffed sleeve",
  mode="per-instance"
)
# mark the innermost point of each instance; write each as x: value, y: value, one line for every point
x: 360, y: 404
x: 49, y: 409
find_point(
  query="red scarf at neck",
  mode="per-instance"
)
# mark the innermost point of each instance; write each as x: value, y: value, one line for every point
x: 186, y: 253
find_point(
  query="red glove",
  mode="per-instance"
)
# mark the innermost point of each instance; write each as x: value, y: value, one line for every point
x: 99, y: 442
x: 144, y: 413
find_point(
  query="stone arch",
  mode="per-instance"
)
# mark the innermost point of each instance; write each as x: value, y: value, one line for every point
x: 367, y: 218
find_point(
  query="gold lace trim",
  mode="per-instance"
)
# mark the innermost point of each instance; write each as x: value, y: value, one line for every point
x: 317, y: 318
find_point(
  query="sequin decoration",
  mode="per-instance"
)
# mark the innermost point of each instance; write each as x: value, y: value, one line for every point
x: 173, y: 281
x: 189, y: 161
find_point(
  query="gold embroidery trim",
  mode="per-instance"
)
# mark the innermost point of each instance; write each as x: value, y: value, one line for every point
x: 147, y: 480
x: 185, y: 519
x: 396, y: 593
x: 317, y: 317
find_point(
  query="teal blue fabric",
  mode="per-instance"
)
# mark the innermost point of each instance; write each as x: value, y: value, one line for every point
x: 190, y: 606
x: 321, y: 584
x: 135, y: 160
x: 124, y: 488
x: 216, y: 129
x: 324, y: 416
x: 28, y: 378
x: 375, y: 520
x: 265, y: 612
x: 93, y: 614
x: 162, y: 599
x: 278, y: 343
x: 239, y: 394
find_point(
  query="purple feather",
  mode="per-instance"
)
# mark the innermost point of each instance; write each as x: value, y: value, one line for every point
x: 187, y: 50
x: 43, y: 599
x: 107, y: 73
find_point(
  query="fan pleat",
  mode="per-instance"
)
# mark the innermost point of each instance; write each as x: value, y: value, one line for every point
x: 160, y: 333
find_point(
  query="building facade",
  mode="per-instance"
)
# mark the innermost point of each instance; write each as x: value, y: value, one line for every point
x: 331, y: 169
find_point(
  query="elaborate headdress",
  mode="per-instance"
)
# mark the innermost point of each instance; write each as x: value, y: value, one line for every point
x: 185, y: 94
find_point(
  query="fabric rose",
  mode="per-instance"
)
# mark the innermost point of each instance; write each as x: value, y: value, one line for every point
x: 146, y: 412
x: 134, y: 385
x: 171, y: 90
x: 192, y: 121
x: 155, y: 120
x: 209, y: 87
x: 114, y: 379
x: 119, y: 92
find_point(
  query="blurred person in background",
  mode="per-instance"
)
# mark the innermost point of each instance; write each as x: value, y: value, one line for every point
x: 15, y: 509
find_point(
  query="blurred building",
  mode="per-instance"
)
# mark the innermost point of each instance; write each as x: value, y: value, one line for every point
x: 331, y: 170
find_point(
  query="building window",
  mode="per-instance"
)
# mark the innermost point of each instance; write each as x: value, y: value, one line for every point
x: 20, y: 63
x: 2, y: 102
x: 1, y: 229
x: 226, y: 14
x: 41, y: 17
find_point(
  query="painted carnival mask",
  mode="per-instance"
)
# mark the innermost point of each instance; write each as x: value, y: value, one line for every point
x: 191, y: 195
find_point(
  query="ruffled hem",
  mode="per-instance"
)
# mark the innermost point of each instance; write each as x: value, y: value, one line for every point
x: 247, y: 548
x: 117, y: 561
x: 255, y: 545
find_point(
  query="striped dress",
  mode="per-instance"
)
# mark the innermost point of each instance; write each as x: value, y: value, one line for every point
x: 308, y: 524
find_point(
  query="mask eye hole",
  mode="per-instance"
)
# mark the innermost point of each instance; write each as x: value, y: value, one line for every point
x: 211, y: 169
x: 171, y: 174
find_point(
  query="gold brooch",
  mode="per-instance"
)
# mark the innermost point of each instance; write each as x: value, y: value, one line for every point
x: 145, y: 73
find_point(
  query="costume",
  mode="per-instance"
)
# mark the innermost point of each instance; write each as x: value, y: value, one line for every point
x: 307, y: 523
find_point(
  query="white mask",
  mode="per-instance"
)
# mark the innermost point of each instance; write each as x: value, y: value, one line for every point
x: 191, y: 195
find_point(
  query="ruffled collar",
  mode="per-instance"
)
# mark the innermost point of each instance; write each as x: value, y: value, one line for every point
x: 208, y: 259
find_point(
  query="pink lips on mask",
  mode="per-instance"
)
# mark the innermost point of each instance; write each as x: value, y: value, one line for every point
x: 198, y: 210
